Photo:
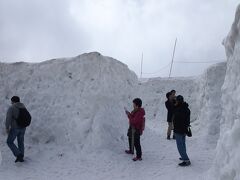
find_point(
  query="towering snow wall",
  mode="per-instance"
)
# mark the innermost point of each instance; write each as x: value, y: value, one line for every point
x: 203, y: 94
x: 227, y: 163
x: 153, y: 92
x: 208, y: 99
x: 76, y: 101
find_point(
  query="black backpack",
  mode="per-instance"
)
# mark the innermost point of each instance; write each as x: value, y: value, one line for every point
x: 24, y: 118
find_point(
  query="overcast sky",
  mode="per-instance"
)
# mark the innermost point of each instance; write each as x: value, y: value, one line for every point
x: 38, y: 30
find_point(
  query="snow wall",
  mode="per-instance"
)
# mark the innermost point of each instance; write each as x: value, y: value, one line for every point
x: 203, y: 94
x: 79, y: 101
x: 227, y: 161
x: 73, y: 101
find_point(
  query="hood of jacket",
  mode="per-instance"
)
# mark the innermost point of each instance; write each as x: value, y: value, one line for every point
x: 18, y: 105
x: 185, y: 105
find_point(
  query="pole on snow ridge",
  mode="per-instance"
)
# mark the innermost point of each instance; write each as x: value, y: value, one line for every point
x: 141, y: 65
x: 173, y: 57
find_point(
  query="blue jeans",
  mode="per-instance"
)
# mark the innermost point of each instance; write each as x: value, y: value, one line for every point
x: 19, y: 134
x: 181, y: 146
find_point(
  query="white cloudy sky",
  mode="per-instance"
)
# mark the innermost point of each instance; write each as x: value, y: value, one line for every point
x: 37, y: 30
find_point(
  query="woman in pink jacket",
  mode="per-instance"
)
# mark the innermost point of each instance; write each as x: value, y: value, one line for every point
x: 136, y: 127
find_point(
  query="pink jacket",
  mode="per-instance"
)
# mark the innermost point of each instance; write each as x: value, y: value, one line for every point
x: 137, y: 119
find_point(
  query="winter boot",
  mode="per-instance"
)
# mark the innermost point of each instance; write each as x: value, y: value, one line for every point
x: 137, y: 159
x: 128, y: 152
x: 185, y: 163
x: 19, y: 158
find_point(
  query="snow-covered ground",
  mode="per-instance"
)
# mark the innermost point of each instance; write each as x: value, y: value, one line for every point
x: 79, y: 126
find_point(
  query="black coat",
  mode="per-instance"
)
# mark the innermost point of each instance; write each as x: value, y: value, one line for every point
x: 181, y: 118
x: 170, y: 107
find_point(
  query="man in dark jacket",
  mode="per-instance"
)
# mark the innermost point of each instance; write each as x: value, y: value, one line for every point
x: 173, y: 96
x: 136, y: 127
x: 170, y: 106
x: 181, y: 121
x: 14, y: 131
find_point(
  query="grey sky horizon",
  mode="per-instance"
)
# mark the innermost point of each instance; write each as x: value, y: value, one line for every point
x: 35, y: 31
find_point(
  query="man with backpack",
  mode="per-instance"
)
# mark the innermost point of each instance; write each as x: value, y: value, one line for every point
x: 18, y: 118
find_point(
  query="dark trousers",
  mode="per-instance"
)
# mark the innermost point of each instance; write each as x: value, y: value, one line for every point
x: 135, y: 140
x: 19, y: 134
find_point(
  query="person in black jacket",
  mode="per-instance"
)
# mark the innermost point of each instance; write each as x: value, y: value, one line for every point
x: 173, y: 96
x: 170, y: 106
x: 181, y: 121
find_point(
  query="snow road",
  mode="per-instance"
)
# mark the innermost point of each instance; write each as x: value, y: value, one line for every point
x: 160, y: 159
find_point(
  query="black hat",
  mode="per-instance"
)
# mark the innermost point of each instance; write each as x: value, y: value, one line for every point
x: 15, y: 99
x: 180, y: 99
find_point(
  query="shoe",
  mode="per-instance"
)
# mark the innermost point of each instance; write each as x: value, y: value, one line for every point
x: 185, y: 163
x: 128, y: 152
x: 19, y: 158
x: 137, y: 159
x: 168, y: 138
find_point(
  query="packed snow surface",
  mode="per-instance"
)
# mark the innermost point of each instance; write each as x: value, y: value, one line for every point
x: 79, y: 127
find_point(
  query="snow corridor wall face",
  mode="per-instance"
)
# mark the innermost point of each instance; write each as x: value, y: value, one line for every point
x: 227, y: 163
x: 203, y: 94
x: 209, y: 102
x: 153, y: 93
x: 77, y: 101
